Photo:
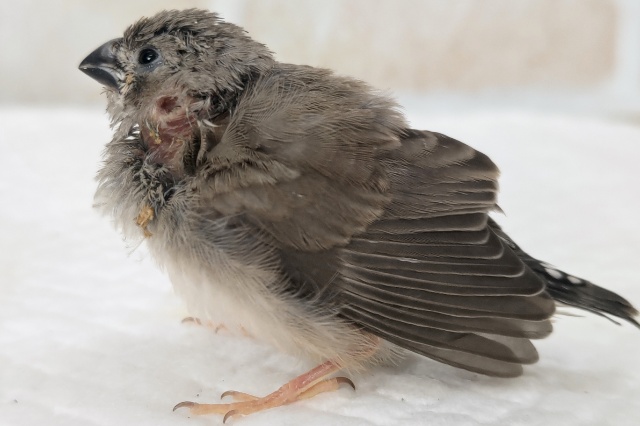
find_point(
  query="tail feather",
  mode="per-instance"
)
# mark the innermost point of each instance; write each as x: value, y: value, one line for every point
x: 574, y: 291
x: 583, y: 294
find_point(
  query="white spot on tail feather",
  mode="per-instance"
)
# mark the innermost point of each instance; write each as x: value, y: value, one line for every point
x: 554, y: 273
x: 574, y: 280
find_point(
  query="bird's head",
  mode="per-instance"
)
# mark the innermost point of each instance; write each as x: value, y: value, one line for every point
x: 173, y: 69
x: 189, y: 50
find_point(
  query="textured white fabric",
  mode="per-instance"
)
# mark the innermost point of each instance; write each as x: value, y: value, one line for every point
x: 90, y: 330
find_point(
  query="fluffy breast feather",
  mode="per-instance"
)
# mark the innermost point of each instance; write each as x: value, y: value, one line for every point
x: 226, y: 277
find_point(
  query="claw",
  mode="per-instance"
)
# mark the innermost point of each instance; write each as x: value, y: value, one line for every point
x: 184, y: 404
x: 346, y: 380
x: 229, y: 415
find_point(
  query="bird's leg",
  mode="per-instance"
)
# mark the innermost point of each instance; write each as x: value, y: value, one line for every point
x: 327, y: 385
x: 305, y: 386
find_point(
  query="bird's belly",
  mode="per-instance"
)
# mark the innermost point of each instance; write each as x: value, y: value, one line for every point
x: 221, y: 293
x: 245, y: 297
x: 211, y: 297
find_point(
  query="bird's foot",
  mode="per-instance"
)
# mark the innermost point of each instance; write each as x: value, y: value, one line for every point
x: 215, y: 327
x: 302, y: 387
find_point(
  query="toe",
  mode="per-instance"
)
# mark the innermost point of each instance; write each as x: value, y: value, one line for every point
x: 238, y: 396
x: 184, y: 404
x: 228, y: 415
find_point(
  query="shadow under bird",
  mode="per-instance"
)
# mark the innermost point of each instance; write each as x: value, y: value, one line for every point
x: 299, y: 205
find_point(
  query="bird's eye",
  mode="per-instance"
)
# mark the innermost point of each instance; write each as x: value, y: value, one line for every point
x: 147, y: 56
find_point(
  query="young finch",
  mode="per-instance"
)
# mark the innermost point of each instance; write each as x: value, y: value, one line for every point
x: 299, y: 205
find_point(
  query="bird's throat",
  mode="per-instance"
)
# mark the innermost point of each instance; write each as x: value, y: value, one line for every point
x: 166, y: 131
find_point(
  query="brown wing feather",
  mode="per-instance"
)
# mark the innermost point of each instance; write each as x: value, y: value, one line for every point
x: 386, y: 226
x: 433, y: 277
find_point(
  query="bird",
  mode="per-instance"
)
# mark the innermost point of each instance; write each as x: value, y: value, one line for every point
x: 300, y: 205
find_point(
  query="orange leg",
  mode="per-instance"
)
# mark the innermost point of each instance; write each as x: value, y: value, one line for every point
x: 305, y: 386
x: 326, y: 385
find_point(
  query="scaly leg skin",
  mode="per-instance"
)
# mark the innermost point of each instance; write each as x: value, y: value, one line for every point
x: 302, y: 387
x: 327, y: 385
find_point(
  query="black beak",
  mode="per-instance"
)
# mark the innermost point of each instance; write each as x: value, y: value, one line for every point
x: 101, y: 65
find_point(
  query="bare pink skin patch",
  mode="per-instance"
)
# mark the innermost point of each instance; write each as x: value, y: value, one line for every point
x: 169, y: 127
